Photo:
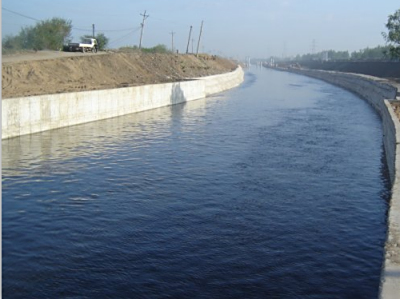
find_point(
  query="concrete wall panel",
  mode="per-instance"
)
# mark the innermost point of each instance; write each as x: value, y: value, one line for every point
x: 34, y: 114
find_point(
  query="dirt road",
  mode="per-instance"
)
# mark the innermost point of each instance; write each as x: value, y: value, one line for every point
x: 43, y: 55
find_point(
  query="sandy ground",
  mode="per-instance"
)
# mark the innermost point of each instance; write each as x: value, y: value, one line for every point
x: 49, y: 72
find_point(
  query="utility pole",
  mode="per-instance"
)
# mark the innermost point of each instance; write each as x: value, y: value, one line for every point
x: 93, y: 29
x: 192, y: 45
x: 172, y: 34
x: 198, y: 43
x: 141, y: 32
x: 190, y: 33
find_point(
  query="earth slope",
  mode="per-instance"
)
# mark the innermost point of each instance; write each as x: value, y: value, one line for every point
x: 57, y: 72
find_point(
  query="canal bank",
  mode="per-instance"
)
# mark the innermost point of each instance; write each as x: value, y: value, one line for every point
x: 379, y: 93
x: 28, y: 115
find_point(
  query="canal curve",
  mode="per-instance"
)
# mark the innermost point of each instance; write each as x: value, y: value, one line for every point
x: 276, y: 189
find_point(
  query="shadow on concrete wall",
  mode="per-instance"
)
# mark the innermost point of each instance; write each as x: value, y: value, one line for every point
x: 177, y: 94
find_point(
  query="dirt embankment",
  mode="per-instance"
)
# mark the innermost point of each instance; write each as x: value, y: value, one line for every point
x: 27, y: 77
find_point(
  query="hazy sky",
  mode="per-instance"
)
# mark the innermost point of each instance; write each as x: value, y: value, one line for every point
x: 238, y: 28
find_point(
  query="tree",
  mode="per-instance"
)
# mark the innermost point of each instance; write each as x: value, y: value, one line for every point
x: 370, y: 53
x: 49, y: 34
x: 338, y: 55
x: 12, y: 43
x: 102, y: 40
x: 393, y: 36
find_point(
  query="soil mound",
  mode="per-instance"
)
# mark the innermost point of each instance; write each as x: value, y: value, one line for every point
x: 73, y: 73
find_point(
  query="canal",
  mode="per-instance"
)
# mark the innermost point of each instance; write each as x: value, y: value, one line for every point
x: 275, y: 189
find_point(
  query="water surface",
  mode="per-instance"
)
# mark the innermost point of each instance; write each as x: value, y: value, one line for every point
x: 275, y: 189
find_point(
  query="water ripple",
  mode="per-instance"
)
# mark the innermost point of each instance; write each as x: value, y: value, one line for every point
x: 277, y: 183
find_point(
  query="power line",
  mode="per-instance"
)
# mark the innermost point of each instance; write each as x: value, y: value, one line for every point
x: 131, y: 30
x: 170, y: 21
x: 163, y: 20
x: 115, y: 30
x: 123, y: 37
x: 15, y: 24
x: 19, y: 14
x: 80, y: 29
x: 73, y: 27
x: 105, y: 30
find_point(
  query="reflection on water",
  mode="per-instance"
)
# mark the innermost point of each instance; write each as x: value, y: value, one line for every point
x: 277, y: 183
x: 33, y: 151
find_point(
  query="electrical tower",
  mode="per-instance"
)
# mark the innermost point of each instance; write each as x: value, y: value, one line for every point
x: 284, y: 53
x: 313, y: 46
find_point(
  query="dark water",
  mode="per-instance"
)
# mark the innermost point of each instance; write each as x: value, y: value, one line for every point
x: 273, y: 190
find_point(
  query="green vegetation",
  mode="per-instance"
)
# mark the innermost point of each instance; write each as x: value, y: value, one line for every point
x: 338, y: 55
x: 392, y: 38
x: 331, y: 55
x: 377, y: 53
x: 102, y: 40
x: 157, y: 49
x: 129, y: 49
x: 49, y: 34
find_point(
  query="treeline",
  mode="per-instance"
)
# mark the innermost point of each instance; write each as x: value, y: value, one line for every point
x: 50, y: 34
x: 377, y: 53
x: 55, y: 34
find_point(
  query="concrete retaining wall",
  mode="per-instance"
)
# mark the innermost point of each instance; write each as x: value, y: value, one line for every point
x: 34, y: 114
x: 379, y: 93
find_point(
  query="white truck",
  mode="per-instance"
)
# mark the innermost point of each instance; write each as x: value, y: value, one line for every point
x: 88, y: 45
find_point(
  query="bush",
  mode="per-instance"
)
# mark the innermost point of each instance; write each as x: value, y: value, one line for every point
x: 156, y: 49
x: 128, y: 49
